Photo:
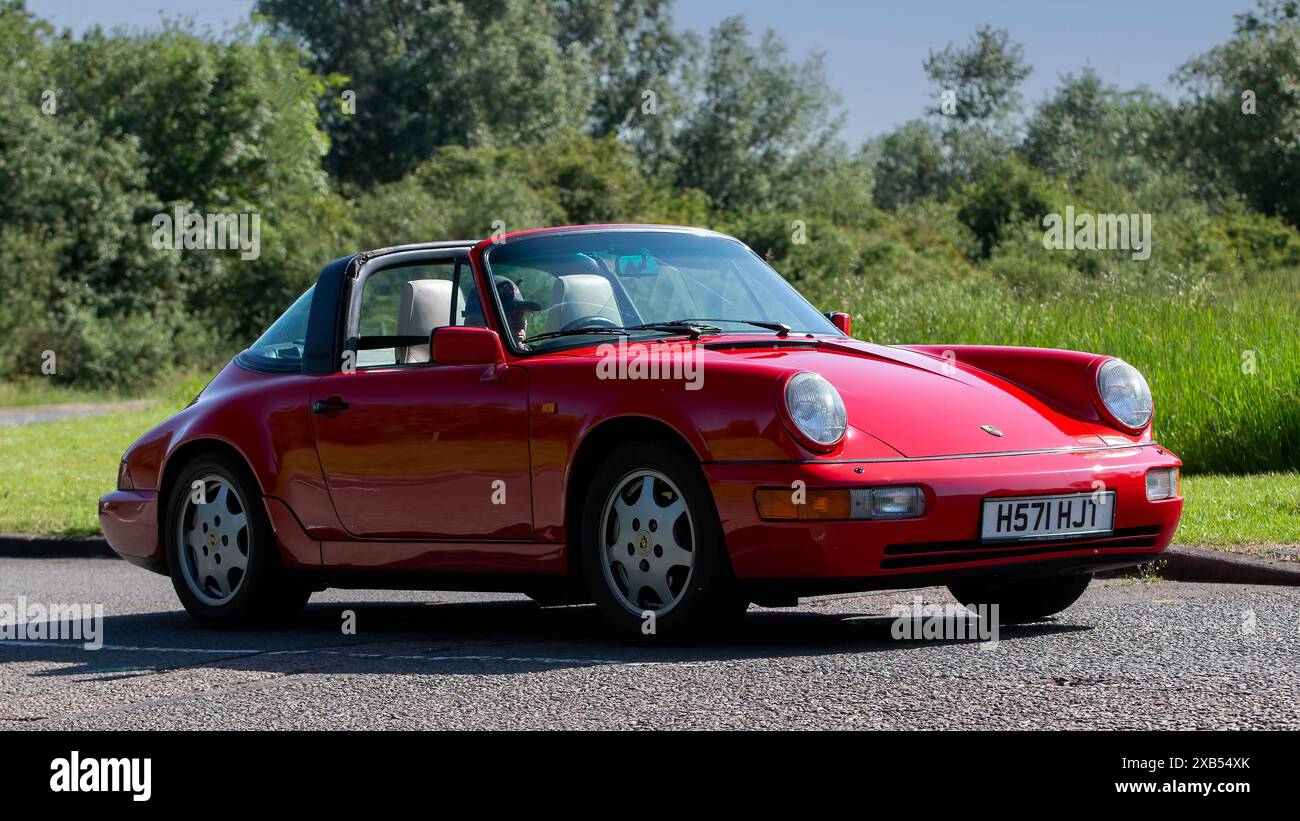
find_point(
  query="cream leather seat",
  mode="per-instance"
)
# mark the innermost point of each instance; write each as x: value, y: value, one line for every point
x: 425, y: 305
x: 576, y: 296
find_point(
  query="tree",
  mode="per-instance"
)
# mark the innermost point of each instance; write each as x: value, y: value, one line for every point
x: 78, y: 268
x: 1008, y: 194
x: 969, y: 130
x: 1087, y: 126
x: 638, y: 62
x: 240, y: 120
x: 982, y: 78
x: 911, y: 165
x: 240, y: 135
x: 101, y: 134
x: 756, y: 114
x: 471, y: 192
x: 496, y: 72
x: 429, y: 74
x: 1241, y: 129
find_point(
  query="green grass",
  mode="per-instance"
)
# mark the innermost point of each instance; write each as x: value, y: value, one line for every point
x: 55, y: 472
x: 1241, y: 510
x: 1224, y: 368
x: 29, y: 392
x: 170, y: 388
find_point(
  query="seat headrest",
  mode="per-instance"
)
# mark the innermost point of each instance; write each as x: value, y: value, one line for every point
x: 576, y: 296
x: 425, y: 305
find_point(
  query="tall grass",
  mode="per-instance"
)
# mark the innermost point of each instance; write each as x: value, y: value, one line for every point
x: 1224, y: 367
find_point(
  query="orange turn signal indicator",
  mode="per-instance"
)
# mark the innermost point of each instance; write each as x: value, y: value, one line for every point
x: 809, y: 503
x: 839, y: 504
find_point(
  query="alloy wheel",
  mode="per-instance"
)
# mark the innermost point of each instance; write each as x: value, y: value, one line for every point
x: 213, y: 531
x: 647, y: 542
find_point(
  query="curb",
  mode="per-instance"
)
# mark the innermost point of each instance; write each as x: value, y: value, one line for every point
x: 1201, y: 564
x: 16, y: 546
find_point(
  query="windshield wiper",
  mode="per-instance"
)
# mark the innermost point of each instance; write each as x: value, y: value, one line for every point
x: 689, y: 327
x: 619, y: 330
x: 677, y: 327
x: 782, y: 329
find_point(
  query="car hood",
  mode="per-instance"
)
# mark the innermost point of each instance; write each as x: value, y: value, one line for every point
x: 925, y: 407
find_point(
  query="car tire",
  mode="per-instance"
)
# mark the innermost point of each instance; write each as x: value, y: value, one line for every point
x: 1023, y: 600
x: 673, y: 547
x: 221, y: 552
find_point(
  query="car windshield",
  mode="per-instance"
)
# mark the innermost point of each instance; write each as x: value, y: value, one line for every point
x: 281, y: 346
x: 554, y: 289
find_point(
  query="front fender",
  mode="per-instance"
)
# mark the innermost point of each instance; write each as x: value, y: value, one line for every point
x: 1064, y: 379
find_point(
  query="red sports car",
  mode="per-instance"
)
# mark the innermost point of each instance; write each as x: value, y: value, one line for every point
x: 646, y: 417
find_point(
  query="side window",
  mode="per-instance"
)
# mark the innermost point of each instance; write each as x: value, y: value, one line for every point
x: 401, y: 306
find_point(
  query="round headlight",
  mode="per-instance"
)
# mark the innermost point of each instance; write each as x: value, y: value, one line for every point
x: 816, y: 408
x: 1125, y: 393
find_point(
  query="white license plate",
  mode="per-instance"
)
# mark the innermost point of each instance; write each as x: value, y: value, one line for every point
x: 1047, y: 517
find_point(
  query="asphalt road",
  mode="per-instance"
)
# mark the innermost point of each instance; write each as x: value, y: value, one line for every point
x: 25, y: 415
x: 1128, y: 655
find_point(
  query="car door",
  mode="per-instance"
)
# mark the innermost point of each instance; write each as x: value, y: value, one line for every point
x: 413, y: 449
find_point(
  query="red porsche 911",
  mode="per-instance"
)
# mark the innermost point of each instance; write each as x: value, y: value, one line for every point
x: 646, y: 417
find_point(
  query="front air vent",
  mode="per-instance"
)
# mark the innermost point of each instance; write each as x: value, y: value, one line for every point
x: 930, y: 554
x: 738, y: 345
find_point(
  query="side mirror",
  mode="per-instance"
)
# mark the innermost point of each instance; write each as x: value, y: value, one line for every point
x: 451, y: 345
x: 842, y: 321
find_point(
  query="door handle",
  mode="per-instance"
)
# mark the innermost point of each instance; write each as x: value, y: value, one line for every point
x: 334, y: 403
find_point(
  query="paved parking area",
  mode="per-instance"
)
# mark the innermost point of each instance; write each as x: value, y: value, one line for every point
x: 1128, y: 655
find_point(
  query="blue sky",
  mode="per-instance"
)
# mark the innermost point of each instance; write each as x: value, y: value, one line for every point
x: 873, y: 48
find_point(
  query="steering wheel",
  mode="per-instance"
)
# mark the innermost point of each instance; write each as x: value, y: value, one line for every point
x: 590, y: 322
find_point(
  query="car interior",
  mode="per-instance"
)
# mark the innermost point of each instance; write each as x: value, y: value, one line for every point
x: 573, y: 290
x: 426, y: 304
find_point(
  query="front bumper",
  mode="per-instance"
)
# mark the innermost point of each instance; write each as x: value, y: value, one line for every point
x: 129, y: 520
x: 944, y: 542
